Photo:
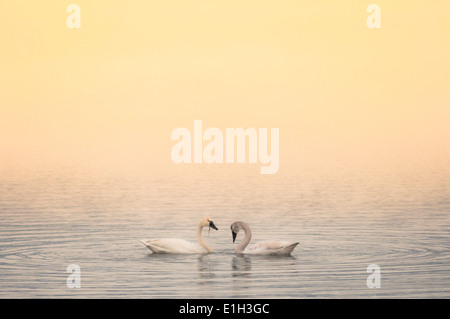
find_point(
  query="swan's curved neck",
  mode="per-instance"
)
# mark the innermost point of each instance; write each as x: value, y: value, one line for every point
x: 248, y: 236
x: 201, y: 241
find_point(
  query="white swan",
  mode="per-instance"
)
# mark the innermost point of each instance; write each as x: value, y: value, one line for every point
x: 261, y: 248
x: 181, y: 246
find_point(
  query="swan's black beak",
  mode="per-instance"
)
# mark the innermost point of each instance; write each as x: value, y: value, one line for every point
x: 234, y: 235
x: 211, y: 224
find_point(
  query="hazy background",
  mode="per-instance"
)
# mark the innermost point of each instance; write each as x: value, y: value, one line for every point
x: 111, y: 92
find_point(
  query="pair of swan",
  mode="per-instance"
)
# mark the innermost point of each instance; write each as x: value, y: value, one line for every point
x: 175, y: 245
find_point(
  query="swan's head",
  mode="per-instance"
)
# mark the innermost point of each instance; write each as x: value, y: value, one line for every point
x: 208, y: 222
x: 235, y: 228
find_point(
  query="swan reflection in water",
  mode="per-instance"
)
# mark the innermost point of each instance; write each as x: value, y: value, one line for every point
x: 205, y: 267
x: 241, y: 275
x: 241, y: 266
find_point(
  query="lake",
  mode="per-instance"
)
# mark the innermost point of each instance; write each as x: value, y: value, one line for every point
x: 345, y: 220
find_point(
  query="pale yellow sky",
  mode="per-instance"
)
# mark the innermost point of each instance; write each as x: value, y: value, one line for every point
x: 116, y: 88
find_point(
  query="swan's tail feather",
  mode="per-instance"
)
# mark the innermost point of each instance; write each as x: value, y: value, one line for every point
x: 288, y: 249
x: 149, y: 246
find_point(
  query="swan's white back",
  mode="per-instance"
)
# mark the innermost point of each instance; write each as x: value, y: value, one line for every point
x: 270, y: 248
x: 172, y: 245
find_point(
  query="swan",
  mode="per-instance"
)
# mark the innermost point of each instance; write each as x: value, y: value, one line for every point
x: 181, y: 246
x: 261, y: 248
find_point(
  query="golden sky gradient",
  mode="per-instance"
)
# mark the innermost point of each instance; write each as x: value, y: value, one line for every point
x: 113, y: 90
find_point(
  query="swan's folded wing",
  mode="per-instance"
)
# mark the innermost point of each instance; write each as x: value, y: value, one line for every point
x: 155, y: 245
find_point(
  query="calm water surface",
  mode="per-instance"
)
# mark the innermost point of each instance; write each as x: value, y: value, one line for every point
x: 344, y: 221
